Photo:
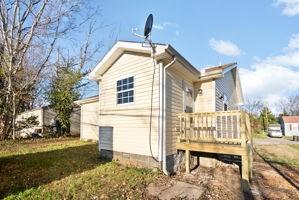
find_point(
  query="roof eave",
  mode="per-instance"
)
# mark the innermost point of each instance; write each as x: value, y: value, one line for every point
x: 87, y: 100
x: 170, y: 50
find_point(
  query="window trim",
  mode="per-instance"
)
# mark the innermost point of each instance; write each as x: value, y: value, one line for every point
x: 126, y: 90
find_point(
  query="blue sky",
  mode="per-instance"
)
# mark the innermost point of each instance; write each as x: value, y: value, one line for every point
x: 261, y: 36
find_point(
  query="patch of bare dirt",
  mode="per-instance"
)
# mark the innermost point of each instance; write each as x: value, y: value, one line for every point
x: 289, y: 173
x: 269, y: 183
x: 222, y: 182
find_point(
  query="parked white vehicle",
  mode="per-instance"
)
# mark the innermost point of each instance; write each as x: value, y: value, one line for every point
x: 274, y: 130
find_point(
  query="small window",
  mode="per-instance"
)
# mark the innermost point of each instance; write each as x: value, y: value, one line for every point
x: 290, y: 127
x: 125, y: 90
x: 225, y: 107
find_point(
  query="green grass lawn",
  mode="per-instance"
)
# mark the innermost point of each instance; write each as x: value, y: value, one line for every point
x: 259, y: 135
x: 285, y: 154
x: 65, y: 169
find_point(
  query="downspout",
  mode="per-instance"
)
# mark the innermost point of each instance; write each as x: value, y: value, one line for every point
x: 164, y: 166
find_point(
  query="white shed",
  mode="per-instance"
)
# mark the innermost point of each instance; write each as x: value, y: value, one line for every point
x: 290, y: 125
x: 46, y: 118
x: 89, y: 124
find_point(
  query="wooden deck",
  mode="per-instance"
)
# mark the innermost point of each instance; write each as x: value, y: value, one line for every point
x: 223, y: 132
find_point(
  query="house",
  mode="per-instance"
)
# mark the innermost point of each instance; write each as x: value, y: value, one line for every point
x: 153, y: 107
x: 89, y: 124
x: 290, y: 125
x: 46, y: 118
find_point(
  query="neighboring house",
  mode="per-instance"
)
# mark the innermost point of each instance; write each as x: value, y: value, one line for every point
x: 46, y: 118
x: 290, y: 125
x: 141, y: 128
x: 89, y: 121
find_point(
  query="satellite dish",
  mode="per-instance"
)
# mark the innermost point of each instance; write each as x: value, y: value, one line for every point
x: 147, y: 32
x: 148, y: 26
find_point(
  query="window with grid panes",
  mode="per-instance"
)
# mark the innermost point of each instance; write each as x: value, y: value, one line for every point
x: 125, y: 90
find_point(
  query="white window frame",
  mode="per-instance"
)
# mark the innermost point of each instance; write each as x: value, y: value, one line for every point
x: 123, y: 91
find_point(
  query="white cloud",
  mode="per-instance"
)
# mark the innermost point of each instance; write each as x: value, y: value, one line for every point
x: 165, y: 25
x: 158, y: 26
x: 294, y: 42
x: 289, y: 59
x: 171, y: 24
x: 225, y: 47
x: 273, y: 78
x: 289, y: 7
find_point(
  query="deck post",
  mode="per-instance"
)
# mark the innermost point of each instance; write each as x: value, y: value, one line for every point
x: 187, y: 161
x: 250, y: 162
x: 245, y: 172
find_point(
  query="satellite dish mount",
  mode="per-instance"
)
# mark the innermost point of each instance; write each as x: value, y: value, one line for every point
x: 147, y: 32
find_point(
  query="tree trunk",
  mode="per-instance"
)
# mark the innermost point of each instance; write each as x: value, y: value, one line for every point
x: 14, y: 116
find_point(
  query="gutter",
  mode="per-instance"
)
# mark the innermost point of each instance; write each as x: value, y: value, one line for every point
x: 163, y: 142
x: 170, y: 50
x: 210, y: 77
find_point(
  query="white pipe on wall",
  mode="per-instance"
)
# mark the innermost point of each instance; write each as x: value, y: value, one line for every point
x: 160, y: 111
x: 164, y: 166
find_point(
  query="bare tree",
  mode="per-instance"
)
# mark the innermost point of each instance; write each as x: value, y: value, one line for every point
x: 254, y: 106
x: 29, y: 30
x: 290, y: 106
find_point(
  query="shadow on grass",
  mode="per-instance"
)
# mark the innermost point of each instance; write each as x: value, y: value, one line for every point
x: 20, y: 172
x: 281, y: 173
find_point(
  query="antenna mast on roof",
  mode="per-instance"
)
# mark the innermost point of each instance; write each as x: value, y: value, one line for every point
x: 147, y: 32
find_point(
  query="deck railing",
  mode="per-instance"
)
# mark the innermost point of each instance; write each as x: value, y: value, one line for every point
x: 231, y: 127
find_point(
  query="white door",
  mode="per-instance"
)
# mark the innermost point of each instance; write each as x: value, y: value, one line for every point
x: 188, y: 97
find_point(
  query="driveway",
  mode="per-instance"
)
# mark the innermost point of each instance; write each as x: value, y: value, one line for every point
x: 272, y: 141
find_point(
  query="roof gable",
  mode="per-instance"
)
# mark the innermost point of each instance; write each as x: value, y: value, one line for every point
x: 119, y: 49
x: 290, y: 119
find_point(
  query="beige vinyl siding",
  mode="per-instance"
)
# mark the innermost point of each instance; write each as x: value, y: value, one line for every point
x: 174, y: 106
x: 204, y: 102
x: 174, y: 103
x: 227, y: 86
x: 89, y: 121
x: 130, y: 122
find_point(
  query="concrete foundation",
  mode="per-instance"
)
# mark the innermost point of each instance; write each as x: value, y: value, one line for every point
x: 175, y: 162
x: 135, y: 160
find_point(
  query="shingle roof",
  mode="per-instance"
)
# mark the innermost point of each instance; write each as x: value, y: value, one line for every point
x: 290, y: 119
x: 219, y: 67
